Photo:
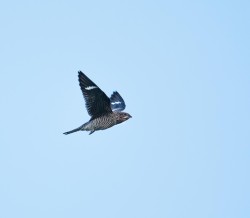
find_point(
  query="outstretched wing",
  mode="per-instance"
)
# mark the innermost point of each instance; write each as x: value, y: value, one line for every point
x: 97, y: 102
x: 117, y: 102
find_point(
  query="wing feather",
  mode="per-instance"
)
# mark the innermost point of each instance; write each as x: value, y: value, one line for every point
x: 97, y: 102
x: 117, y: 102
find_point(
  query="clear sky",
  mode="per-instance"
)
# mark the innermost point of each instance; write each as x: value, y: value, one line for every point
x: 183, y: 69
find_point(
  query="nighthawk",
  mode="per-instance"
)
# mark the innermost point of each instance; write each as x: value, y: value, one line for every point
x: 105, y: 112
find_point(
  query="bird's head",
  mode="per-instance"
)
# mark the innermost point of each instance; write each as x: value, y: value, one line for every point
x: 122, y: 116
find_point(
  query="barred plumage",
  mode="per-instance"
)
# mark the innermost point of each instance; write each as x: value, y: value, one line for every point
x: 105, y: 112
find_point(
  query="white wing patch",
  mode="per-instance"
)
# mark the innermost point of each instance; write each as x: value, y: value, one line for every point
x: 90, y: 87
x: 117, y: 102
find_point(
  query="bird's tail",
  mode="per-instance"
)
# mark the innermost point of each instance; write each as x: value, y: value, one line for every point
x: 74, y: 130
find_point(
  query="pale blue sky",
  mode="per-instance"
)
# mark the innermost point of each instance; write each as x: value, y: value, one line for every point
x: 183, y: 69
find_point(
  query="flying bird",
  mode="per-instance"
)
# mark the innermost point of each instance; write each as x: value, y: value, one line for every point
x: 105, y: 112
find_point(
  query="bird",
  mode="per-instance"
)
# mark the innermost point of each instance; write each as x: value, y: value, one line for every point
x: 105, y: 112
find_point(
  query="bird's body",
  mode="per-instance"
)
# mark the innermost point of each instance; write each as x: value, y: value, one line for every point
x: 105, y: 112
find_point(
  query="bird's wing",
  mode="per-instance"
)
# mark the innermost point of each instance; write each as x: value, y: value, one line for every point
x: 97, y: 102
x: 117, y: 102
